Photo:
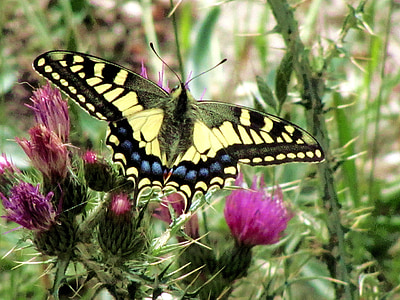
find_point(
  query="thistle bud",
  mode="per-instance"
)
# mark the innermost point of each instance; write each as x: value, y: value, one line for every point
x: 118, y: 234
x: 101, y: 176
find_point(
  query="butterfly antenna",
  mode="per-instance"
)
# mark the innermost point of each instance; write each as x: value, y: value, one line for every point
x: 165, y: 64
x: 176, y: 74
x: 206, y: 71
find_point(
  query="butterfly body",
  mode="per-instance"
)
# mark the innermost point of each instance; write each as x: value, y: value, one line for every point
x: 171, y: 141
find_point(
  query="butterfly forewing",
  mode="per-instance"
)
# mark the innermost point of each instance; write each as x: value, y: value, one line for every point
x: 105, y: 90
x: 171, y: 141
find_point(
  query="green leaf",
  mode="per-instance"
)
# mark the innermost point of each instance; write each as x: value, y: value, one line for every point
x: 345, y: 134
x: 266, y: 93
x: 282, y: 79
x: 201, y: 48
x: 201, y: 54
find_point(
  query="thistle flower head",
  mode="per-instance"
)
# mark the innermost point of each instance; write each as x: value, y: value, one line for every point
x: 28, y: 207
x: 51, y: 111
x: 47, y: 152
x: 255, y: 217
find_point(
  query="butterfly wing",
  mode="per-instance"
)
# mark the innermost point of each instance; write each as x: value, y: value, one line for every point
x: 226, y: 134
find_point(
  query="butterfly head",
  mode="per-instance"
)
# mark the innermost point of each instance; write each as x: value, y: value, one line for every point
x: 179, y: 91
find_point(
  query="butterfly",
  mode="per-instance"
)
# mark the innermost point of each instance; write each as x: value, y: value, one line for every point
x: 171, y: 141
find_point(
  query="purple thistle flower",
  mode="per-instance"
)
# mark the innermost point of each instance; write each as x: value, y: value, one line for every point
x: 254, y: 217
x: 47, y: 152
x: 51, y: 111
x: 29, y: 208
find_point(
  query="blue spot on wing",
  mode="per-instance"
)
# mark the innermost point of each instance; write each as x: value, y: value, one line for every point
x: 204, y: 173
x: 215, y: 167
x: 135, y: 157
x: 145, y: 167
x: 180, y: 171
x: 127, y: 146
x: 122, y: 131
x: 156, y: 169
x: 191, y: 176
x: 226, y: 158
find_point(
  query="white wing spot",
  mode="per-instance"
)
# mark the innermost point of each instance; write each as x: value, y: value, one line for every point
x: 280, y: 156
x: 48, y: 69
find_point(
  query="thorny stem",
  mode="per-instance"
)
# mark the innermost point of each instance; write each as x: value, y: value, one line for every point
x: 313, y: 85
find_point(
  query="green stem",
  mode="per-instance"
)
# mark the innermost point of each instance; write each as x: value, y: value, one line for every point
x: 178, y: 48
x: 62, y: 265
x: 312, y: 86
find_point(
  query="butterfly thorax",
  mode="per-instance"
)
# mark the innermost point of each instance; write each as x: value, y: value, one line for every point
x: 177, y: 128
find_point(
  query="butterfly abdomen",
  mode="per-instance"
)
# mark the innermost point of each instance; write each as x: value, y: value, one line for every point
x: 175, y: 134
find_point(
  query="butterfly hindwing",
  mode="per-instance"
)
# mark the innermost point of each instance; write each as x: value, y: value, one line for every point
x: 139, y: 163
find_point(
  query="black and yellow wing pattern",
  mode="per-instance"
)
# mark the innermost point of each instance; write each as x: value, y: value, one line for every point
x: 170, y: 141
